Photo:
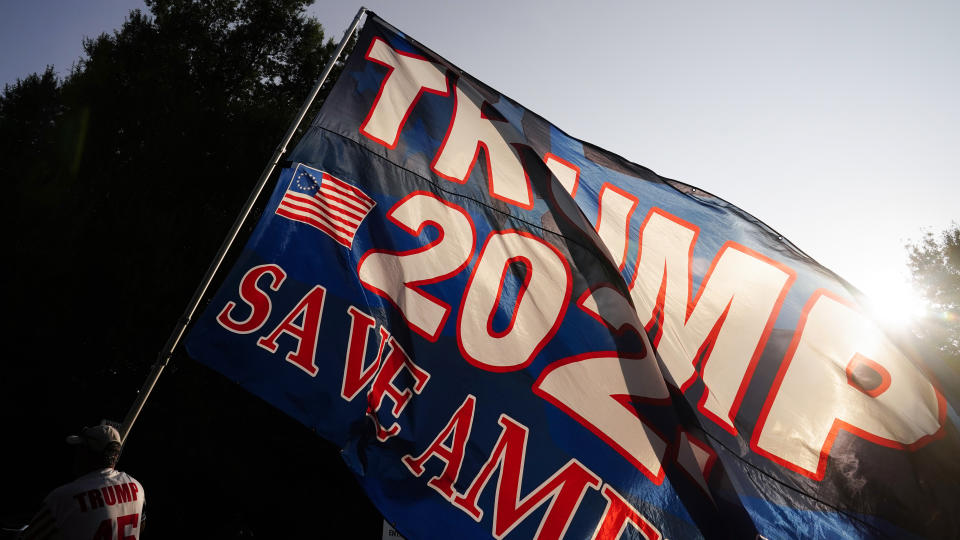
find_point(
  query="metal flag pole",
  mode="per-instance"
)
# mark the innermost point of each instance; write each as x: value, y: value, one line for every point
x: 163, y: 358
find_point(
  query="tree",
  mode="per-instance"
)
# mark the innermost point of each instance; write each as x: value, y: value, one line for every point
x: 123, y: 178
x: 158, y: 134
x: 934, y: 263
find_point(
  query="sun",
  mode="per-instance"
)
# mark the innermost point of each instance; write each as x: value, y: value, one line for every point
x: 894, y: 301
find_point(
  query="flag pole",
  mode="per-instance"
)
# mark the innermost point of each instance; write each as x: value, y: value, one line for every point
x: 163, y: 358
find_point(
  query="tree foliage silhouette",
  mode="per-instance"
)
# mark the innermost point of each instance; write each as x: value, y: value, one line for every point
x: 934, y: 263
x: 125, y: 176
x: 142, y: 155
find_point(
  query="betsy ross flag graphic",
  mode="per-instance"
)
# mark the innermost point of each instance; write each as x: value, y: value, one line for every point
x: 332, y: 205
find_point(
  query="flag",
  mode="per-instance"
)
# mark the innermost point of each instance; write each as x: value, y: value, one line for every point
x: 332, y: 206
x: 513, y: 333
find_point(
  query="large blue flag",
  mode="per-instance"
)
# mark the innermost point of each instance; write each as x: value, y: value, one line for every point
x: 515, y: 334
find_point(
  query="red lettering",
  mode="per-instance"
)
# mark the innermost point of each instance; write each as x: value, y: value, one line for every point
x: 123, y: 492
x: 129, y: 520
x: 618, y: 514
x: 566, y: 173
x: 398, y: 276
x: 475, y: 125
x: 408, y: 77
x: 96, y: 500
x: 254, y: 297
x: 819, y: 376
x: 458, y: 428
x: 855, y: 377
x: 596, y: 389
x: 396, y: 360
x: 355, y: 376
x: 83, y: 504
x: 565, y: 488
x: 537, y: 313
x: 500, y: 300
x: 108, y: 495
x: 723, y: 328
x: 309, y: 310
x: 613, y: 221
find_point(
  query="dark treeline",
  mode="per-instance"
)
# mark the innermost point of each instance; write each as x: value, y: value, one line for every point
x: 934, y: 263
x: 125, y: 176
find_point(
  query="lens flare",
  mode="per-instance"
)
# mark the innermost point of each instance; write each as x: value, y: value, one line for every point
x: 895, y: 302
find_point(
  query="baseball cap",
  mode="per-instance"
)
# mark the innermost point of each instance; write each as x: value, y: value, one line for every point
x: 96, y: 438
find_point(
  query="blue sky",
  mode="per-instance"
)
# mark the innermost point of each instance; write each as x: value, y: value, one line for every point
x: 837, y: 123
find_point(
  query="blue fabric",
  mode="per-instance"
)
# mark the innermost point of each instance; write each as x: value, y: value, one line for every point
x: 895, y: 492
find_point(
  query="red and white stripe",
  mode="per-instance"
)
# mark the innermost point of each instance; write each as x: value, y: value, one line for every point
x: 337, y: 209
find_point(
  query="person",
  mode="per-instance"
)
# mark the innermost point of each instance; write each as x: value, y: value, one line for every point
x: 101, y: 503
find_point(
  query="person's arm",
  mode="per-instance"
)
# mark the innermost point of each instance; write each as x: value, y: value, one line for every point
x: 43, y: 526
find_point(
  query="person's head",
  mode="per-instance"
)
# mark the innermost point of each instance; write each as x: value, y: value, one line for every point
x: 98, y: 447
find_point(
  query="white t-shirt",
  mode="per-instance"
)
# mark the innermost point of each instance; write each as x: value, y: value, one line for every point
x: 105, y: 504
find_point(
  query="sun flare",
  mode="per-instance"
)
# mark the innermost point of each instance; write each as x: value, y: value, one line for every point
x: 895, y: 302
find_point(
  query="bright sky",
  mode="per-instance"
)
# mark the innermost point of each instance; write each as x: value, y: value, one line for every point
x: 835, y: 122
